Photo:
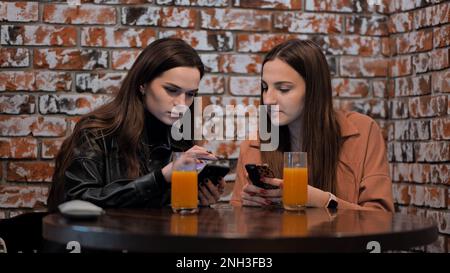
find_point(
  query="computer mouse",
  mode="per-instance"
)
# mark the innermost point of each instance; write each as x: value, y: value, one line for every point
x: 79, y: 209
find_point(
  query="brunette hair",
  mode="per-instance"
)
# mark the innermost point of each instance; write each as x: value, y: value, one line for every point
x: 321, y: 137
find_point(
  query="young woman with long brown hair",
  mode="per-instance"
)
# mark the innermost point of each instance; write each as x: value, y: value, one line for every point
x: 119, y: 155
x: 347, y: 162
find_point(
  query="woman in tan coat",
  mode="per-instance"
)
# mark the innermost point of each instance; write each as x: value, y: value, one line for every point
x: 347, y: 161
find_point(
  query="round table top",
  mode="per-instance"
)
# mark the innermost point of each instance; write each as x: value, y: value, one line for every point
x: 225, y: 228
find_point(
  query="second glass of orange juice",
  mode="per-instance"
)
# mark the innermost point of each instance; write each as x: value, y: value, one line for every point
x: 295, y: 180
x: 184, y: 192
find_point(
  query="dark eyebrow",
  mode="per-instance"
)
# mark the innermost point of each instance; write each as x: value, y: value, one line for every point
x: 283, y: 82
x: 177, y: 87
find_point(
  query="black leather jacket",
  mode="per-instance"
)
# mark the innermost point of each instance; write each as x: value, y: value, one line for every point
x: 98, y: 174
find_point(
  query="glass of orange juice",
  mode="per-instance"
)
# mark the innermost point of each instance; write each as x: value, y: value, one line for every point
x: 184, y: 192
x: 295, y: 180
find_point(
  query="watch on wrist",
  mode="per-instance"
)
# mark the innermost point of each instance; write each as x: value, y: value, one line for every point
x: 332, y: 202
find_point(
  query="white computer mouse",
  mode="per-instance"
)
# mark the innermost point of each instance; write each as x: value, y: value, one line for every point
x: 80, y: 209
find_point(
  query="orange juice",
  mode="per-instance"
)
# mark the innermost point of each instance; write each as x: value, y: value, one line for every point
x: 295, y: 187
x: 184, y: 224
x: 294, y: 224
x: 184, y: 190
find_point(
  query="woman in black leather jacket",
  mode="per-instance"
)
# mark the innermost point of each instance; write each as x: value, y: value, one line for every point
x: 120, y: 154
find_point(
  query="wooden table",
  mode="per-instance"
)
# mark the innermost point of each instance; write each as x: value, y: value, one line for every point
x: 243, y: 230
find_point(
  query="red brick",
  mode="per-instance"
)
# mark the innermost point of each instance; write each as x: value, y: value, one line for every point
x: 440, y: 81
x: 30, y: 171
x: 440, y: 173
x: 104, y: 83
x: 73, y: 120
x: 124, y: 59
x: 417, y: 193
x: 156, y: 16
x: 203, y: 40
x: 440, y: 58
x: 19, y: 11
x: 401, y: 22
x: 240, y: 63
x: 427, y: 106
x: 212, y: 84
x: 350, y: 88
x: 419, y: 130
x: 412, y: 172
x: 269, y: 4
x: 423, y: 17
x: 71, y: 104
x: 22, y: 147
x: 349, y: 45
x: 441, y: 13
x: 373, y: 26
x: 441, y: 36
x: 440, y: 128
x: 422, y: 62
x: 23, y: 196
x: 197, y: 3
x: 50, y: 148
x: 415, y: 41
x: 432, y: 151
x: 211, y: 62
x: 412, y: 86
x: 38, y: 35
x: 400, y: 66
x: 70, y: 59
x: 245, y: 86
x: 442, y: 218
x: 380, y: 88
x: 30, y: 125
x: 14, y: 57
x: 17, y: 104
x: 398, y: 109
x: 387, y: 46
x: 119, y: 2
x: 16, y: 80
x: 262, y: 42
x: 53, y: 81
x: 387, y: 129
x: 363, y: 67
x: 253, y: 20
x: 403, y: 152
x: 412, y: 130
x: 330, y: 5
x: 298, y: 22
x: 401, y: 194
x: 117, y: 37
x: 83, y: 14
x: 436, y: 197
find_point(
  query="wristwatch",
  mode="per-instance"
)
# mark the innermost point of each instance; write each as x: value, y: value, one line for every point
x: 332, y: 201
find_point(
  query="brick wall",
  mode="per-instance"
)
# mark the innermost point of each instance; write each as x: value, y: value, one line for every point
x: 389, y: 61
x: 419, y: 134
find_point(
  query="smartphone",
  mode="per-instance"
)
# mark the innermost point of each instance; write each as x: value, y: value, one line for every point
x: 212, y: 172
x: 255, y: 172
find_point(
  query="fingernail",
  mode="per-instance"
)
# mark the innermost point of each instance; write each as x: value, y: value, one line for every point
x: 268, y: 202
x: 263, y: 191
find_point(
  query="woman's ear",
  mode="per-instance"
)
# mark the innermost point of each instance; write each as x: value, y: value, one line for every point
x: 142, y: 90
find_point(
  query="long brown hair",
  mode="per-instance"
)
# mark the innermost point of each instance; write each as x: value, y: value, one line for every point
x: 123, y: 117
x: 321, y: 132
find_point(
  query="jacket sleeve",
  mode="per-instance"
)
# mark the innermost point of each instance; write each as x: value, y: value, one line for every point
x: 375, y: 190
x: 84, y: 179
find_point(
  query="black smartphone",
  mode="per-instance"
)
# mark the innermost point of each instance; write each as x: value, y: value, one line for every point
x: 255, y: 172
x: 212, y: 172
